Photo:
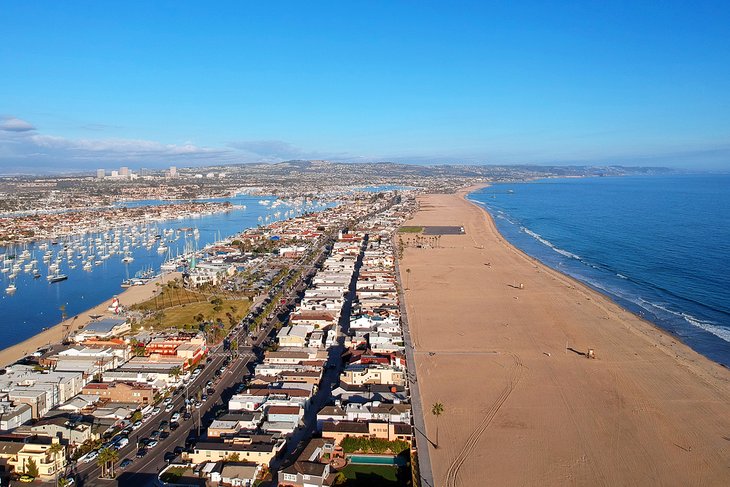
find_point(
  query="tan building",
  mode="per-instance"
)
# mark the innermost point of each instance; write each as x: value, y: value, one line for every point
x: 339, y: 430
x: 121, y: 392
x: 259, y: 449
x: 17, y: 457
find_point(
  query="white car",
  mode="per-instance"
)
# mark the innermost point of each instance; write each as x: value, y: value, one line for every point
x: 175, y: 417
x: 122, y: 443
x: 90, y: 457
x: 169, y: 407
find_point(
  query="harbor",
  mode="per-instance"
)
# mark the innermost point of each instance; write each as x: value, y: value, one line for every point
x: 46, y: 281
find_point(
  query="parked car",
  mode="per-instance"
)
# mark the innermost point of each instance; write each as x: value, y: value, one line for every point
x: 136, y: 425
x: 141, y: 452
x: 125, y: 463
x: 89, y: 457
x: 169, y: 456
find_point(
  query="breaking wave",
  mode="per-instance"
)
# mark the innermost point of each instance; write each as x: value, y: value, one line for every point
x: 539, y: 238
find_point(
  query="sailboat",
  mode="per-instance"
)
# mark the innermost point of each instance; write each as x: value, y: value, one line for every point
x: 11, y: 288
x: 56, y: 277
x: 170, y: 263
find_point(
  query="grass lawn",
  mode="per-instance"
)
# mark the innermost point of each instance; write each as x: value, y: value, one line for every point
x: 176, y: 308
x: 380, y: 475
x: 169, y: 297
x: 408, y: 229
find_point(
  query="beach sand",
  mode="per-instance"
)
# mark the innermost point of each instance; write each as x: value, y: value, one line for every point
x: 53, y: 335
x: 522, y: 404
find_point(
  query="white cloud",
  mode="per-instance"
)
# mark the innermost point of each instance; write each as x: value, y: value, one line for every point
x: 13, y: 124
x: 27, y: 149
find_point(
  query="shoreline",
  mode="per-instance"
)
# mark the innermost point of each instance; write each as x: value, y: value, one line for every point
x: 525, y: 406
x: 649, y: 329
x: 54, y: 334
x: 587, y: 287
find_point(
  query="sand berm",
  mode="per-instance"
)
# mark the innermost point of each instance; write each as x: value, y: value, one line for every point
x: 523, y: 405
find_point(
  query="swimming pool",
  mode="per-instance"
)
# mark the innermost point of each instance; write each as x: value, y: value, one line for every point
x: 377, y: 460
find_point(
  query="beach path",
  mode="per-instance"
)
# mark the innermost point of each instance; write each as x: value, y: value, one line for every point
x: 501, y: 341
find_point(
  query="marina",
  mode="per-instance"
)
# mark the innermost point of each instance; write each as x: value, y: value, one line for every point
x: 47, y: 280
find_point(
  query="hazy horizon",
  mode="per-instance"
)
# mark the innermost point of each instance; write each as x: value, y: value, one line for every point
x: 151, y: 85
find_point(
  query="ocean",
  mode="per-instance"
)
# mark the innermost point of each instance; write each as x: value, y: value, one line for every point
x: 657, y: 245
x: 37, y: 303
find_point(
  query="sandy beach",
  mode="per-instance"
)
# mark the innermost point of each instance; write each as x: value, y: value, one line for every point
x: 500, y: 342
x: 130, y: 296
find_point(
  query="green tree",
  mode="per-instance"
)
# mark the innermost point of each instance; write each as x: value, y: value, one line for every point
x: 54, y: 450
x: 437, y: 410
x: 31, y: 468
x: 106, y: 459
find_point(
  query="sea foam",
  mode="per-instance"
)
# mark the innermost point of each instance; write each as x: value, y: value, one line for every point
x: 544, y: 241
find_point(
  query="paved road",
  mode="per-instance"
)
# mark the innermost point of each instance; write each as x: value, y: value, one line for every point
x: 330, y: 378
x: 422, y: 442
x: 143, y: 471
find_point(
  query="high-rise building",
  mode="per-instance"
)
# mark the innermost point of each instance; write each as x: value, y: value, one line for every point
x: 124, y: 171
x: 100, y: 173
x: 173, y: 171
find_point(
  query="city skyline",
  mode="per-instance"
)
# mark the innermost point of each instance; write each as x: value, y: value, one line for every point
x: 94, y: 86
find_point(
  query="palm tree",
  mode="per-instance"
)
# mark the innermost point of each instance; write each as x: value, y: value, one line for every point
x: 408, y: 277
x: 54, y: 450
x: 437, y: 410
x: 175, y: 372
x: 106, y: 459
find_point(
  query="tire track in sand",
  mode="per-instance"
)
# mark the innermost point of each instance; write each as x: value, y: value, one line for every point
x: 515, y: 375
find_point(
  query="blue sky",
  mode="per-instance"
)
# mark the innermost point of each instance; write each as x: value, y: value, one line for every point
x: 148, y: 84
